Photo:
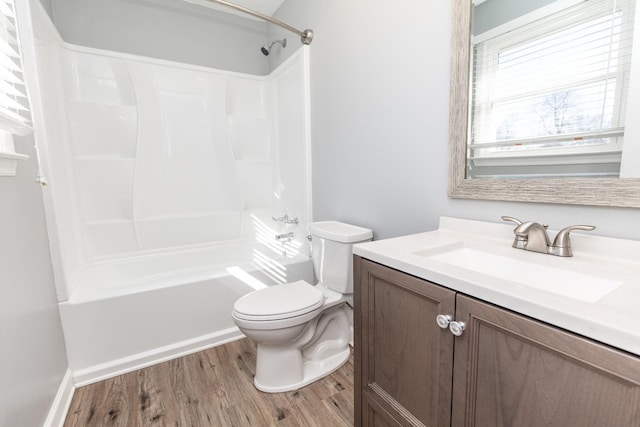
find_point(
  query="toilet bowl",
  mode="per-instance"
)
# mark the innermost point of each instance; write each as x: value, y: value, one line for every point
x: 302, y: 331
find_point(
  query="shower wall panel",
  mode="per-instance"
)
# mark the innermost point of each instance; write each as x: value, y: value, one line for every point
x: 52, y: 132
x: 166, y: 155
x: 103, y: 122
x: 292, y: 172
x: 148, y: 156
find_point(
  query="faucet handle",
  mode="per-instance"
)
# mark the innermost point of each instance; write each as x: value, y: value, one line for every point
x: 285, y: 219
x: 562, y: 243
x: 512, y: 219
x: 520, y: 242
x: 562, y: 239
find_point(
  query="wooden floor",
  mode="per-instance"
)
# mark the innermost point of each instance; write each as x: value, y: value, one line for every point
x: 211, y: 388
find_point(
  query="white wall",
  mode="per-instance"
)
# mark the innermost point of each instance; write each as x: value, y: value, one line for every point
x: 33, y: 359
x: 379, y: 106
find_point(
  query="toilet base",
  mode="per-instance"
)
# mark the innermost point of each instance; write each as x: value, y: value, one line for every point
x: 321, y: 348
x: 312, y: 371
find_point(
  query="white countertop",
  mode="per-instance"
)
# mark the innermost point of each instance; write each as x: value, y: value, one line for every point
x: 613, y: 319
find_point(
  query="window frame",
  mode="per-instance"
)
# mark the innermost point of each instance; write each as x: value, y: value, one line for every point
x: 489, y: 45
x: 12, y: 122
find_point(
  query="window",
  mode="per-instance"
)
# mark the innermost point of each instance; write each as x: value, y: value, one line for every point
x: 15, y: 117
x: 552, y: 92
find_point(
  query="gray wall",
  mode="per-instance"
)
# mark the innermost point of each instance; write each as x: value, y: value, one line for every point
x: 380, y: 88
x: 165, y: 29
x: 33, y: 359
x: 379, y: 91
x: 48, y: 7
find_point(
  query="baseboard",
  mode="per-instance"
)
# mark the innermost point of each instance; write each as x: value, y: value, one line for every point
x: 134, y: 362
x: 61, y: 402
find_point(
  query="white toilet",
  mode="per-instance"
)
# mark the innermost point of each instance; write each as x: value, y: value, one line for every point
x: 303, y: 331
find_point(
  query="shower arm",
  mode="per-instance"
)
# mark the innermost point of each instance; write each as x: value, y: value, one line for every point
x: 305, y: 36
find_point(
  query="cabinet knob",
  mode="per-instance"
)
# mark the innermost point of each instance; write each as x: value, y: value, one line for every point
x: 457, y: 328
x: 443, y: 320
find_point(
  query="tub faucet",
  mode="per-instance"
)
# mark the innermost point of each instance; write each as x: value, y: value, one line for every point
x: 532, y: 236
x: 286, y: 219
x: 285, y: 236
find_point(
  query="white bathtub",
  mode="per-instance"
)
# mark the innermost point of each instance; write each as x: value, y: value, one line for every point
x: 128, y: 313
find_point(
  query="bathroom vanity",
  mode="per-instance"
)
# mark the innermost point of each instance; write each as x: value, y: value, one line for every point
x: 541, y: 340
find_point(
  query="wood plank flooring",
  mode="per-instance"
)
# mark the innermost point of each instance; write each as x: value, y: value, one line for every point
x: 211, y: 388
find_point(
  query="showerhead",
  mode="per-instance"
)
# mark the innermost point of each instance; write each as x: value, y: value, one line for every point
x: 267, y: 50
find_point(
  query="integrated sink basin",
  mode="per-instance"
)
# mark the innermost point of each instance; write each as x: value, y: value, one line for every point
x: 567, y: 283
x: 595, y: 293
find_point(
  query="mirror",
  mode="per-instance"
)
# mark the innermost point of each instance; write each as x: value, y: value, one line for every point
x: 499, y: 176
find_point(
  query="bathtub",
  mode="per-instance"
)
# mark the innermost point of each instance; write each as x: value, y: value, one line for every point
x: 131, y: 312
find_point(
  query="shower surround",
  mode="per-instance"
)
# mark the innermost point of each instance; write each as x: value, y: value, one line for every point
x: 164, y: 181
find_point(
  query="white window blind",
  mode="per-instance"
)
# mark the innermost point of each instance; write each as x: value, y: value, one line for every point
x: 14, y: 105
x: 553, y: 91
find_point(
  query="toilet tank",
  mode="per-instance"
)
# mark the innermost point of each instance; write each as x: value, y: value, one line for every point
x: 331, y: 252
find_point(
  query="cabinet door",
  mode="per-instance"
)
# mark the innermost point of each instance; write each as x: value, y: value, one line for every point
x: 513, y: 371
x: 404, y: 361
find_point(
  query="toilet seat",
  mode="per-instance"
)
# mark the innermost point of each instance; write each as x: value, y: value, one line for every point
x: 279, y: 302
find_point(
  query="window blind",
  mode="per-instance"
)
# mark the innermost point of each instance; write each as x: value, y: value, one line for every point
x: 15, y: 116
x: 554, y: 86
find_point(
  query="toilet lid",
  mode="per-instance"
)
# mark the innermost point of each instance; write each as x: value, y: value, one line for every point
x: 279, y: 301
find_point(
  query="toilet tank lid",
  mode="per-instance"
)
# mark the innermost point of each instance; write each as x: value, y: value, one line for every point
x: 340, y: 232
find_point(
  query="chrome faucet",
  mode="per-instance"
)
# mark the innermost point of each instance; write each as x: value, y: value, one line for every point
x: 285, y: 236
x: 286, y: 219
x: 532, y: 236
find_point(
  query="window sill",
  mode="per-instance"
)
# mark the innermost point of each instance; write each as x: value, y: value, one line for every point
x: 9, y: 162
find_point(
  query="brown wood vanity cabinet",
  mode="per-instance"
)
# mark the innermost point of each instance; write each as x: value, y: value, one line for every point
x: 504, y: 370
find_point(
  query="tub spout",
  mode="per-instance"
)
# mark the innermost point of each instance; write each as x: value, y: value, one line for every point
x: 284, y: 237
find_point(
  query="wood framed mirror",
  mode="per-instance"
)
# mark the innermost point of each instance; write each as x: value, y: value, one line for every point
x: 605, y: 191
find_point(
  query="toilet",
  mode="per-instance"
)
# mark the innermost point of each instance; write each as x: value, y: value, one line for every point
x: 303, y: 331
